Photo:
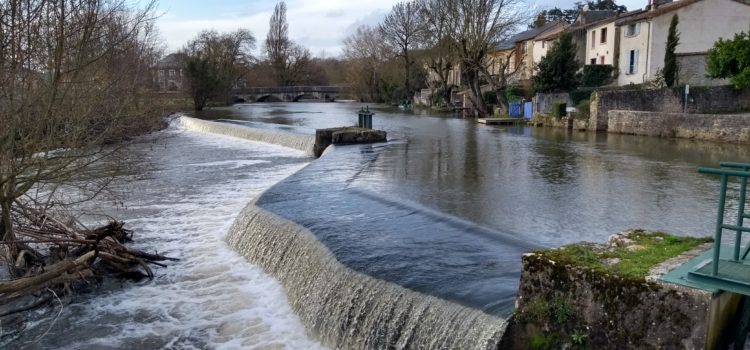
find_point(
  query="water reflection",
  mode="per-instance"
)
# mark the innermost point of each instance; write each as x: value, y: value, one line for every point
x: 548, y: 185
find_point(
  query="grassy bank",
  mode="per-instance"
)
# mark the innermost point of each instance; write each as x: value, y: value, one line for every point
x: 629, y: 256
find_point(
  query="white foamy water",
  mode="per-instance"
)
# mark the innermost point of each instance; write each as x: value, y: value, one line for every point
x: 211, y: 299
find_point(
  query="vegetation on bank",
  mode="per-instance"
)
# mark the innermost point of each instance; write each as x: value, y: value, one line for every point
x: 643, y: 251
x: 75, y: 84
x: 590, y: 296
x: 730, y: 59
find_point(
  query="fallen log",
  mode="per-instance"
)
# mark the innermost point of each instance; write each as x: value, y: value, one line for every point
x: 31, y: 284
x: 57, y: 254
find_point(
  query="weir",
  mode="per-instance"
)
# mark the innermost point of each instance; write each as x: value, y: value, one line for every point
x: 363, y: 271
x: 300, y: 142
x: 347, y: 309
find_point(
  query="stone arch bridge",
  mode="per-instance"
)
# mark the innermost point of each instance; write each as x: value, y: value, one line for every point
x: 287, y: 94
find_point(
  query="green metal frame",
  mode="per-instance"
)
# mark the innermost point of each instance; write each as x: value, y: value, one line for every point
x: 743, y: 174
x: 365, y: 118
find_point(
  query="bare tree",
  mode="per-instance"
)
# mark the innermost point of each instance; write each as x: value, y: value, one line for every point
x: 365, y: 54
x: 506, y: 67
x: 74, y: 78
x: 478, y: 26
x: 215, y: 63
x: 440, y: 56
x: 403, y: 29
x: 290, y: 61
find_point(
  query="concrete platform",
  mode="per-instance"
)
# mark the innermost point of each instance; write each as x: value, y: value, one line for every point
x: 346, y: 136
x: 499, y: 121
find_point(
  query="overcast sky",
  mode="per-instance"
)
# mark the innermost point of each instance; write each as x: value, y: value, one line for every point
x: 319, y: 25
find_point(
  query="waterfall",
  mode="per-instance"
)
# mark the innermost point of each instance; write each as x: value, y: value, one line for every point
x: 301, y: 142
x: 348, y: 309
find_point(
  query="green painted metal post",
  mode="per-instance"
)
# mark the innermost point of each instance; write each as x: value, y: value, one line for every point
x: 364, y: 118
x: 740, y: 218
x: 719, y: 224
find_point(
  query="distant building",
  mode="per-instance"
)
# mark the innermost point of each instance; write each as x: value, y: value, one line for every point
x: 519, y: 53
x: 169, y: 73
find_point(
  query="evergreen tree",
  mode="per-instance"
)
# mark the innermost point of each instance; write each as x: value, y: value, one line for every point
x: 670, y: 58
x: 557, y: 70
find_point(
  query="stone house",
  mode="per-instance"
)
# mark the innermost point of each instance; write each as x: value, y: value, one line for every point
x: 519, y: 52
x: 543, y: 42
x: 643, y: 37
x: 580, y: 30
x: 169, y: 73
x: 601, y: 45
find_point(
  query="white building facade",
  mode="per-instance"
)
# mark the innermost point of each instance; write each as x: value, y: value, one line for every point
x: 601, y: 45
x: 643, y: 38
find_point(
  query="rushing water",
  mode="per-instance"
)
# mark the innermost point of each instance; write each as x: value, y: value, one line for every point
x: 183, y: 205
x: 411, y: 244
x: 448, y: 206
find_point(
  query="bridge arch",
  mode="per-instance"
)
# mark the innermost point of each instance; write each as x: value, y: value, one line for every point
x: 268, y: 98
x: 305, y: 96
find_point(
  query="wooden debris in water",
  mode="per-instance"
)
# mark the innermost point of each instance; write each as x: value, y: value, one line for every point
x: 57, y: 255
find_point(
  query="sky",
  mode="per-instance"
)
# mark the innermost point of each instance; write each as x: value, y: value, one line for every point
x: 319, y: 25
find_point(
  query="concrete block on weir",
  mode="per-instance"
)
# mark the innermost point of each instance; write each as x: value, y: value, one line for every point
x: 346, y: 136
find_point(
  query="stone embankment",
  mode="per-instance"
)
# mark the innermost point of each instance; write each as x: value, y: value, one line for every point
x: 606, y: 296
x: 706, y: 127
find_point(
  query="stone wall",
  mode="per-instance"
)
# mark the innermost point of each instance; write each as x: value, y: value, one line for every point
x: 543, y: 102
x: 603, y: 311
x: 702, y: 100
x: 708, y: 127
x: 693, y: 70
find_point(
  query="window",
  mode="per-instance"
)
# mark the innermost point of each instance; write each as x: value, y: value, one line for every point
x: 633, y: 29
x: 593, y: 38
x: 171, y: 72
x: 543, y: 43
x: 601, y: 60
x: 633, y: 62
x: 593, y: 61
x: 603, y: 37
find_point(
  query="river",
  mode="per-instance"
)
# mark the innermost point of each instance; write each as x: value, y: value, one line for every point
x: 181, y: 203
x: 444, y: 210
x: 549, y: 186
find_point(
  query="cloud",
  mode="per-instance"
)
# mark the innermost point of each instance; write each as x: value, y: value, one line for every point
x: 335, y: 14
x: 317, y: 25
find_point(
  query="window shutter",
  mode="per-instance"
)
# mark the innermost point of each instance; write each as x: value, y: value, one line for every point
x: 635, y: 62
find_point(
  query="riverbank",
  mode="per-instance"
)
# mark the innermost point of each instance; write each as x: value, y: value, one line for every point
x: 591, y: 296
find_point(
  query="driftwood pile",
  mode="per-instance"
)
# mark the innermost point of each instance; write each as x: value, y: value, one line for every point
x: 52, y: 257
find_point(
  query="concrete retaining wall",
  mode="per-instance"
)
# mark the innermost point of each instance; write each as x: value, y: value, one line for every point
x: 708, y: 127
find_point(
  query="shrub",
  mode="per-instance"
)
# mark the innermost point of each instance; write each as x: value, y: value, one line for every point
x: 581, y: 94
x: 595, y: 75
x: 583, y: 109
x: 558, y: 109
x: 731, y: 59
x: 513, y: 93
x: 490, y: 97
x: 557, y: 70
